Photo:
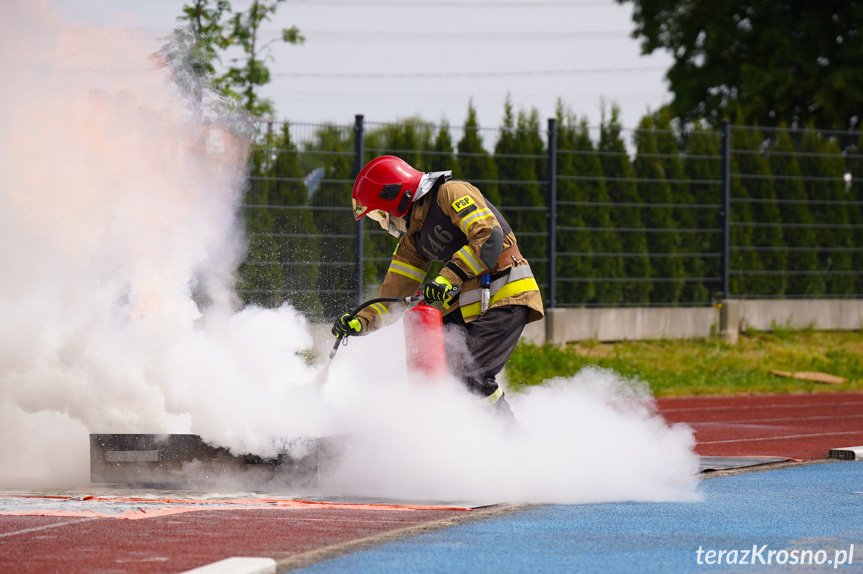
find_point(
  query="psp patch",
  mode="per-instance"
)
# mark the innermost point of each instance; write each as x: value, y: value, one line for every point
x: 462, y: 203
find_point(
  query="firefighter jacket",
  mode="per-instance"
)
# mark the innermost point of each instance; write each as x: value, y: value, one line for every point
x: 454, y: 223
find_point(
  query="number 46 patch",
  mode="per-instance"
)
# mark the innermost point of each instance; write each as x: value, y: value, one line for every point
x: 462, y: 203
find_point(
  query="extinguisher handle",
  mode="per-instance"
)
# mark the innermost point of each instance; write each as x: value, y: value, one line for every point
x: 418, y: 296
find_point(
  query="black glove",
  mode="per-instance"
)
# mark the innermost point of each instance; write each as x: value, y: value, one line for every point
x: 436, y: 290
x: 346, y: 326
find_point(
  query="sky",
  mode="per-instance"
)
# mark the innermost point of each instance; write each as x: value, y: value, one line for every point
x: 390, y: 59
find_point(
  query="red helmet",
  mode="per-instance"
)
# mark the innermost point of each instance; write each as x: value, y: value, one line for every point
x: 387, y: 184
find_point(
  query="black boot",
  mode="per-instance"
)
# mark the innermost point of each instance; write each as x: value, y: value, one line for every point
x: 504, y: 412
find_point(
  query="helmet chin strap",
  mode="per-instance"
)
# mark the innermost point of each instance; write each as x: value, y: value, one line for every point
x: 395, y: 226
x: 398, y: 226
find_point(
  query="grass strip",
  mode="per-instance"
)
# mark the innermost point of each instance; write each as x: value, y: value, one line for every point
x: 680, y: 367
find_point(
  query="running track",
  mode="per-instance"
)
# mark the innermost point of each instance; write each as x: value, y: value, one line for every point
x: 800, y: 426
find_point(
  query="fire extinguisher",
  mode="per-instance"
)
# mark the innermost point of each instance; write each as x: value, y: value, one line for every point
x: 424, y: 344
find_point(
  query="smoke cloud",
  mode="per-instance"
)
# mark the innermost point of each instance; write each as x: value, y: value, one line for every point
x: 120, y: 185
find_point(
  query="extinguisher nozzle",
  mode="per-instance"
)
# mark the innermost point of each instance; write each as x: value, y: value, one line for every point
x: 335, y: 347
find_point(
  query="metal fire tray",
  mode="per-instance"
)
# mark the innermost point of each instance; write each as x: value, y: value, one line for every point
x: 179, y: 460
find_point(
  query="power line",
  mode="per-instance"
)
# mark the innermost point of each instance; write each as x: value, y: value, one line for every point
x: 458, y: 97
x: 375, y: 36
x: 399, y: 75
x: 466, y: 3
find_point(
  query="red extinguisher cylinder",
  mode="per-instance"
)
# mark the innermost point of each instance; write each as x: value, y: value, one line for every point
x: 424, y: 340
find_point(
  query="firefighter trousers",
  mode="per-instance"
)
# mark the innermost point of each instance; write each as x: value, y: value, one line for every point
x: 490, y: 339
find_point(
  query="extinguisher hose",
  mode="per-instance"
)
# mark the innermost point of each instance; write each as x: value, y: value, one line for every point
x: 418, y: 296
x: 362, y: 306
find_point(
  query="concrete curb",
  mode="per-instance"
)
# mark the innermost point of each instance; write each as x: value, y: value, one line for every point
x: 237, y: 565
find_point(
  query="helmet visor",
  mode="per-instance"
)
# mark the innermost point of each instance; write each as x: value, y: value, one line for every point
x: 378, y: 215
x: 359, y: 210
x: 395, y: 226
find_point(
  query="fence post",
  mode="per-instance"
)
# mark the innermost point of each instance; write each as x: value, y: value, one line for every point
x: 552, y: 210
x: 725, y: 210
x: 359, y: 155
x: 729, y: 311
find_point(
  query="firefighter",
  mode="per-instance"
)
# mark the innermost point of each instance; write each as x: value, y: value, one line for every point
x: 486, y: 287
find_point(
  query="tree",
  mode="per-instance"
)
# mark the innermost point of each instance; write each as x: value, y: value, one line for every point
x: 703, y: 169
x: 747, y: 144
x: 621, y: 187
x: 522, y: 194
x: 250, y: 71
x: 337, y: 283
x: 662, y: 240
x: 214, y: 34
x: 474, y: 161
x: 685, y: 213
x: 444, y: 153
x: 205, y: 21
x: 293, y: 226
x: 802, y: 259
x: 259, y: 278
x: 606, y: 264
x: 408, y: 139
x: 780, y: 61
x: 745, y: 263
x: 822, y: 162
x: 574, y: 244
x: 855, y: 169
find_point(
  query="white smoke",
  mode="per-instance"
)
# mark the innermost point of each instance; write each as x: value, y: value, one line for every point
x: 120, y: 181
x: 587, y: 438
x: 119, y: 193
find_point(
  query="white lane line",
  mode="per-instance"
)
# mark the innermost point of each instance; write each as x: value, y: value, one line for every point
x: 781, y: 437
x: 47, y: 526
x: 237, y: 565
x: 770, y: 406
x: 815, y: 418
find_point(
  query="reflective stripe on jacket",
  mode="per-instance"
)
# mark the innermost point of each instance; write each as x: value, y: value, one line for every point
x: 508, y: 285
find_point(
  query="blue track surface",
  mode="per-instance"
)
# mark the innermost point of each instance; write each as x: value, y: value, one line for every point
x: 814, y: 508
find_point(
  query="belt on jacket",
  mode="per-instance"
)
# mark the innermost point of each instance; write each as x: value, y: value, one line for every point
x: 510, y: 256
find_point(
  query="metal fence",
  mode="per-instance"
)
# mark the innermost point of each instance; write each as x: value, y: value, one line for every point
x: 607, y: 216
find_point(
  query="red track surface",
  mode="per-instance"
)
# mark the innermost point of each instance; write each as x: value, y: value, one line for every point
x: 803, y: 426
x: 183, y: 541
